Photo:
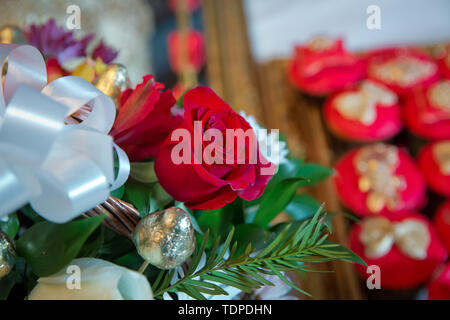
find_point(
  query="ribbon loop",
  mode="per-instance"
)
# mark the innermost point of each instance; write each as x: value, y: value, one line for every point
x: 62, y: 170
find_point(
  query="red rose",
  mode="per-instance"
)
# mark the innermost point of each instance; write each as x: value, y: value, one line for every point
x: 324, y: 66
x: 195, y: 47
x: 145, y: 119
x: 439, y: 287
x: 198, y: 181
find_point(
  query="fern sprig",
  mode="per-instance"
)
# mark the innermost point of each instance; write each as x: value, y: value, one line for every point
x: 288, y: 250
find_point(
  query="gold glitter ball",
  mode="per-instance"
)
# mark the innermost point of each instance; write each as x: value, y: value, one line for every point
x: 7, y: 255
x: 165, y: 238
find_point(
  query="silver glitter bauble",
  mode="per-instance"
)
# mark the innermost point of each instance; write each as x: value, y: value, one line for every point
x: 7, y: 255
x: 165, y: 238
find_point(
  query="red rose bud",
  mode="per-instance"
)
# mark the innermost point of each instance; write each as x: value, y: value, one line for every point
x: 379, y: 179
x: 401, y: 69
x: 145, y: 119
x: 434, y: 160
x: 442, y: 223
x: 54, y: 70
x: 427, y: 111
x: 195, y: 47
x: 439, y: 287
x: 406, y: 249
x: 213, y: 154
x: 323, y: 66
x: 368, y: 112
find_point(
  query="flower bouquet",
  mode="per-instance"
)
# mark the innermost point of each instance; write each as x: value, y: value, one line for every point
x: 137, y: 196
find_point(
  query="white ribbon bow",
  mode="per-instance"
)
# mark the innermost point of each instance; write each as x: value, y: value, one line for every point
x: 61, y: 169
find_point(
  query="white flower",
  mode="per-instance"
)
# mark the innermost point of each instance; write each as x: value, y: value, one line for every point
x: 272, y: 148
x: 98, y: 280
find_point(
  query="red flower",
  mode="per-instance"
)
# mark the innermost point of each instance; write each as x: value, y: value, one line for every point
x: 323, y: 66
x: 54, y: 70
x: 197, y: 180
x: 144, y: 119
x: 196, y: 50
x: 442, y: 223
x: 444, y: 61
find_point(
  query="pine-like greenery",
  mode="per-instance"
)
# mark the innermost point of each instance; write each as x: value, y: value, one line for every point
x: 287, y: 250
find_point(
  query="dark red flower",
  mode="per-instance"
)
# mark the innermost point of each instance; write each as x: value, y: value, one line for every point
x: 196, y: 50
x: 145, y: 119
x: 442, y: 223
x: 205, y: 181
x: 323, y: 66
x: 104, y: 52
x: 56, y: 42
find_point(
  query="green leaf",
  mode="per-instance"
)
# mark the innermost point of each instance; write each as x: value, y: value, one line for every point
x: 118, y: 193
x: 248, y: 233
x: 7, y: 283
x: 48, y: 247
x: 143, y: 172
x: 220, y: 221
x: 313, y: 174
x: 276, y: 200
x: 302, y: 206
x: 10, y: 226
x: 139, y: 194
x: 159, y: 198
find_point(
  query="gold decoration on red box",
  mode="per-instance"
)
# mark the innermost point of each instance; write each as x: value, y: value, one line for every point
x: 361, y: 105
x: 379, y: 234
x: 376, y: 165
x: 439, y: 95
x: 404, y: 71
x: 441, y: 153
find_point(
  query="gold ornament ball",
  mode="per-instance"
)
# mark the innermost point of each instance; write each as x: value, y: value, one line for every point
x: 165, y: 238
x: 7, y: 255
x: 112, y: 81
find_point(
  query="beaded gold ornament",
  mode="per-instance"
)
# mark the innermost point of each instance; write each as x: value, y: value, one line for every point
x: 361, y: 105
x: 376, y: 165
x: 378, y: 235
x: 404, y: 71
x: 441, y: 154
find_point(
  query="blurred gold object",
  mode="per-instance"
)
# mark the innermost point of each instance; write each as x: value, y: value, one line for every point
x: 112, y: 81
x: 379, y: 235
x: 361, y: 105
x: 165, y: 238
x: 441, y: 153
x: 12, y: 34
x: 439, y: 95
x: 7, y: 255
x: 376, y: 165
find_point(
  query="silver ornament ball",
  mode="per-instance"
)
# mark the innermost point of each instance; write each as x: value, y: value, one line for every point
x: 7, y: 255
x: 165, y: 238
